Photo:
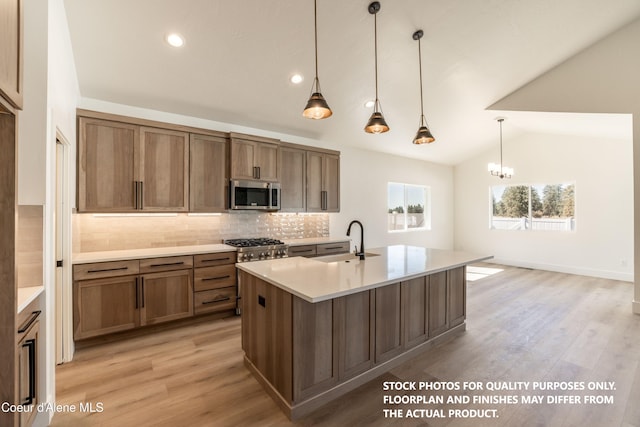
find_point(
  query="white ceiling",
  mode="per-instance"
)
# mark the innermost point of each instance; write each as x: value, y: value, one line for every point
x: 239, y: 55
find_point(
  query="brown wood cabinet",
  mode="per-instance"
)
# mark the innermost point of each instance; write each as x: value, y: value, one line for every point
x: 209, y: 173
x: 27, y: 364
x: 323, y: 182
x: 214, y: 282
x: 321, y: 249
x: 415, y: 296
x: 306, y: 353
x: 165, y: 296
x: 254, y: 158
x: 121, y: 295
x: 438, y: 313
x: 126, y: 168
x: 293, y: 179
x: 11, y: 46
x: 107, y: 166
x: 164, y: 170
x: 388, y: 322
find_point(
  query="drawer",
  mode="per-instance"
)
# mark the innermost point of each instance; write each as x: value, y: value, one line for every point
x: 220, y: 276
x: 302, y: 250
x: 166, y: 264
x: 219, y: 258
x: 99, y: 270
x: 214, y: 300
x: 332, y: 248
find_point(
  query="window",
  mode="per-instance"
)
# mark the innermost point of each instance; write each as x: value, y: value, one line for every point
x: 549, y: 207
x: 408, y: 207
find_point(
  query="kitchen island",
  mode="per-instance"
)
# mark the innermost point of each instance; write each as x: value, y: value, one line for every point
x: 315, y: 329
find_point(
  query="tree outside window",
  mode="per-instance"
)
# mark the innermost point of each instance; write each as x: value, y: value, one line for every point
x: 533, y: 207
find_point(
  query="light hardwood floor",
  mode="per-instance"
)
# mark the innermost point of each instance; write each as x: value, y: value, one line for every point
x: 522, y: 325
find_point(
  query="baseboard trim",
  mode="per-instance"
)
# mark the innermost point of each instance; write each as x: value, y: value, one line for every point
x: 580, y: 271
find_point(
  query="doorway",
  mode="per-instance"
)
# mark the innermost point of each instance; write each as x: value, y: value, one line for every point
x: 62, y: 220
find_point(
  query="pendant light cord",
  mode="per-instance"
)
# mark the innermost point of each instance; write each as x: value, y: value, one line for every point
x: 375, y: 49
x: 422, y: 119
x: 501, y: 147
x: 315, y: 26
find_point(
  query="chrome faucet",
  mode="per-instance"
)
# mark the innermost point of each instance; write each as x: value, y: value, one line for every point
x: 361, y: 253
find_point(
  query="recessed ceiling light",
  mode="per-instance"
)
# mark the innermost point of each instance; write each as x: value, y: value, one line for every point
x: 296, y: 79
x: 369, y: 104
x: 175, y: 40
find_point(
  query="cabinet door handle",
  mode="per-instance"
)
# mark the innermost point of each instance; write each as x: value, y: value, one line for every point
x: 34, y: 316
x: 216, y: 278
x: 323, y: 200
x: 142, y: 293
x: 216, y: 300
x: 167, y: 264
x: 102, y: 270
x: 255, y: 172
x: 258, y: 172
x: 137, y: 302
x: 216, y: 259
x: 141, y: 195
x: 31, y: 345
x: 135, y: 194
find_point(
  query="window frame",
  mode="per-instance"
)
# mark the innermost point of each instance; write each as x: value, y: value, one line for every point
x: 426, y: 191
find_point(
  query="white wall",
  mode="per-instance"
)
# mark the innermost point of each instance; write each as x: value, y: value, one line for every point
x: 602, y: 244
x: 363, y: 182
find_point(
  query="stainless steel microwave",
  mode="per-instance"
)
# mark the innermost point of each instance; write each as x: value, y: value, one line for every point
x: 254, y: 195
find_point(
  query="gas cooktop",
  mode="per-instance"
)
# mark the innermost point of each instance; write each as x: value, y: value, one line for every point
x: 256, y: 249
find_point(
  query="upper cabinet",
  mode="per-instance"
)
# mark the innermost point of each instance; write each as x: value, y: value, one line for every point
x: 164, y: 170
x: 323, y: 182
x: 209, y: 174
x: 124, y: 167
x: 254, y: 158
x: 293, y: 197
x: 11, y: 23
x: 107, y: 166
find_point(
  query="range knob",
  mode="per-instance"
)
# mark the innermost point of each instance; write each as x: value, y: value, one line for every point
x: 249, y: 256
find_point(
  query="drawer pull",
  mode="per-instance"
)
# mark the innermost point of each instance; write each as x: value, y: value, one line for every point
x: 299, y: 251
x: 34, y: 316
x: 216, y: 259
x: 102, y: 270
x: 335, y: 247
x: 216, y: 278
x: 216, y: 300
x: 167, y: 264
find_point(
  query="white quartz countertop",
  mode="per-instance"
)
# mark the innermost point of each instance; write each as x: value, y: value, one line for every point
x: 314, y: 280
x: 28, y: 294
x: 127, y: 254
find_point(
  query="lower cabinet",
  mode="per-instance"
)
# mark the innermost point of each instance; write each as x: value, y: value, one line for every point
x: 438, y: 305
x: 388, y: 321
x: 108, y: 298
x: 27, y: 365
x: 214, y: 282
x: 165, y: 296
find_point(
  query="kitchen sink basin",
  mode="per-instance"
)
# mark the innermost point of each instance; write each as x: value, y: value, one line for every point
x: 345, y: 257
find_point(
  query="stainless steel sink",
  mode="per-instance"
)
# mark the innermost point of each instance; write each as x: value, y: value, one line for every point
x: 344, y: 257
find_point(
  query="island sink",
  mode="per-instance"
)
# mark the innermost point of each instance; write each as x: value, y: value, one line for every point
x: 345, y: 257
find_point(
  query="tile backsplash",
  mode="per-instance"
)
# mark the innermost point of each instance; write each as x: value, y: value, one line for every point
x: 92, y: 232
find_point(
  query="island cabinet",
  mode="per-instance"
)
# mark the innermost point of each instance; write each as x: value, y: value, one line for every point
x: 121, y: 295
x: 254, y: 157
x: 323, y: 182
x: 306, y: 354
x: 11, y: 46
x: 125, y: 167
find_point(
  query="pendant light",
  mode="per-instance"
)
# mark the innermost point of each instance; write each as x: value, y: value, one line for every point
x: 376, y: 123
x: 500, y: 170
x: 424, y: 134
x: 317, y: 107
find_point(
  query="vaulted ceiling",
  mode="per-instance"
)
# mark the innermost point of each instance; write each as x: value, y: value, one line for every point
x: 239, y: 55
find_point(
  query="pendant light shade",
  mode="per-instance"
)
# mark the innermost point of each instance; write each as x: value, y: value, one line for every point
x: 424, y: 135
x: 317, y: 107
x: 376, y: 123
